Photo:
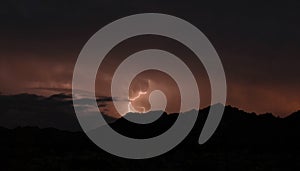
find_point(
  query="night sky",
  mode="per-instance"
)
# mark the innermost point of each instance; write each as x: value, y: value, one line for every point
x: 258, y: 43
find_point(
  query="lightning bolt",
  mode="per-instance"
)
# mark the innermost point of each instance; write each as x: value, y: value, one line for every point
x: 138, y: 96
x: 130, y: 107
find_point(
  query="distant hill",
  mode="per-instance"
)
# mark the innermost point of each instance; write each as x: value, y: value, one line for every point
x: 243, y: 141
x: 237, y: 127
x: 55, y: 111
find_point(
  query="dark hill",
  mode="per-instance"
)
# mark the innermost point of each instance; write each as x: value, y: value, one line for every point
x: 243, y: 141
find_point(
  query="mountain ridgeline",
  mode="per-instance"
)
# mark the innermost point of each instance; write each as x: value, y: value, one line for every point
x: 242, y: 141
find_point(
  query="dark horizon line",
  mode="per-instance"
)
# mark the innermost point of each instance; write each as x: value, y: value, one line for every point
x: 65, y: 96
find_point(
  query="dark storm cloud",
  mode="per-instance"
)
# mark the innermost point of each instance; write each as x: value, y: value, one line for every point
x: 31, y: 110
x: 25, y: 109
x: 257, y: 41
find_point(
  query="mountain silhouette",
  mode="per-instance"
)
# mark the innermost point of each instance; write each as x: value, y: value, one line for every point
x: 242, y: 141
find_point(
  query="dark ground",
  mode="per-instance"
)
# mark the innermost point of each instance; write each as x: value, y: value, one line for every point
x: 243, y: 141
